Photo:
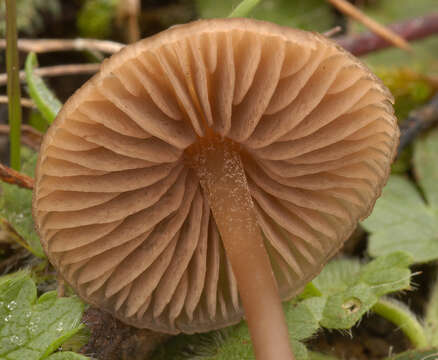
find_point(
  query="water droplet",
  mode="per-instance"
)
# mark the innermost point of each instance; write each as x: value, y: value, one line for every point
x: 60, y: 326
x: 8, y: 318
x: 33, y: 328
x: 28, y: 314
x: 12, y: 305
x: 17, y: 340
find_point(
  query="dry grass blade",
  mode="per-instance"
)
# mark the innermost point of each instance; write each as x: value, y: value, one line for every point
x: 52, y: 45
x: 49, y: 71
x: 411, y: 29
x: 29, y: 136
x: 128, y: 12
x: 332, y: 32
x: 350, y: 10
x: 24, y: 102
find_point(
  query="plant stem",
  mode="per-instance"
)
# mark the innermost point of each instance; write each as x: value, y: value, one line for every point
x: 319, y: 356
x: 431, y: 316
x: 400, y: 315
x: 14, y: 95
x: 244, y: 8
x: 223, y: 179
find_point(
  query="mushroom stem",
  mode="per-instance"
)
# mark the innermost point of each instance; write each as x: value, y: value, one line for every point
x: 223, y: 179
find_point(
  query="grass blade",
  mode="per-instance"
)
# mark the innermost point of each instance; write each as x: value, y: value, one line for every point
x: 46, y: 102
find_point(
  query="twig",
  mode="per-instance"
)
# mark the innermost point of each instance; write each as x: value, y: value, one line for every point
x: 127, y: 16
x: 412, y: 29
x: 52, y: 45
x: 418, y: 120
x: 30, y: 136
x: 14, y: 235
x: 332, y: 31
x: 24, y: 102
x: 12, y: 261
x: 14, y: 177
x: 50, y: 71
x: 373, y: 25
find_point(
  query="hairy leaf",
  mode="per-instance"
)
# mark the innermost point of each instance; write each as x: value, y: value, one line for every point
x: 32, y: 328
x: 402, y: 220
x: 16, y: 208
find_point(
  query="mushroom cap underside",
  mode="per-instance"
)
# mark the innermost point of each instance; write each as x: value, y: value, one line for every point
x: 122, y: 215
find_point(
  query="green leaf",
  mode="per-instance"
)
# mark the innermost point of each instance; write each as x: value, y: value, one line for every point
x: 16, y: 208
x: 44, y: 99
x: 350, y: 290
x: 319, y: 356
x: 402, y: 220
x: 419, y: 354
x: 95, y: 19
x: 426, y: 167
x: 30, y: 15
x: 244, y: 8
x: 313, y: 15
x: 34, y: 328
x: 67, y: 355
x: 343, y: 310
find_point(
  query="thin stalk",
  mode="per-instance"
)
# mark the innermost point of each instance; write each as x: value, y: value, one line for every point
x: 244, y: 8
x: 400, y: 315
x: 14, y: 94
x: 223, y: 180
x: 431, y: 316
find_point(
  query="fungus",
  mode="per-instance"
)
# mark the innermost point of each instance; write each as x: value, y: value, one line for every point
x: 212, y: 170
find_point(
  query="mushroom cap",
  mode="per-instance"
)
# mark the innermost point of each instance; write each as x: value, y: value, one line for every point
x: 122, y: 215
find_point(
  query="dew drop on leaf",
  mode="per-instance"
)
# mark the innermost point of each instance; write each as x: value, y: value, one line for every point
x: 12, y: 305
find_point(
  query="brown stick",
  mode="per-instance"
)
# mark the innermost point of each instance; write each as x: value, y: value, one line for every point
x: 127, y: 16
x: 14, y: 177
x: 29, y: 136
x: 412, y: 29
x: 332, y: 32
x: 57, y: 70
x: 418, y: 121
x: 52, y: 45
x: 352, y: 11
x: 24, y: 102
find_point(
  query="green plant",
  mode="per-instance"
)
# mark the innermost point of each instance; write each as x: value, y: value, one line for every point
x: 96, y: 17
x: 14, y: 92
x: 33, y: 328
x: 30, y: 14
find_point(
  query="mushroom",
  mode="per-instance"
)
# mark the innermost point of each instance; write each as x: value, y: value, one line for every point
x: 209, y: 171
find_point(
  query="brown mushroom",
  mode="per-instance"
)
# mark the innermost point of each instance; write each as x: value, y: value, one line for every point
x: 173, y: 180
